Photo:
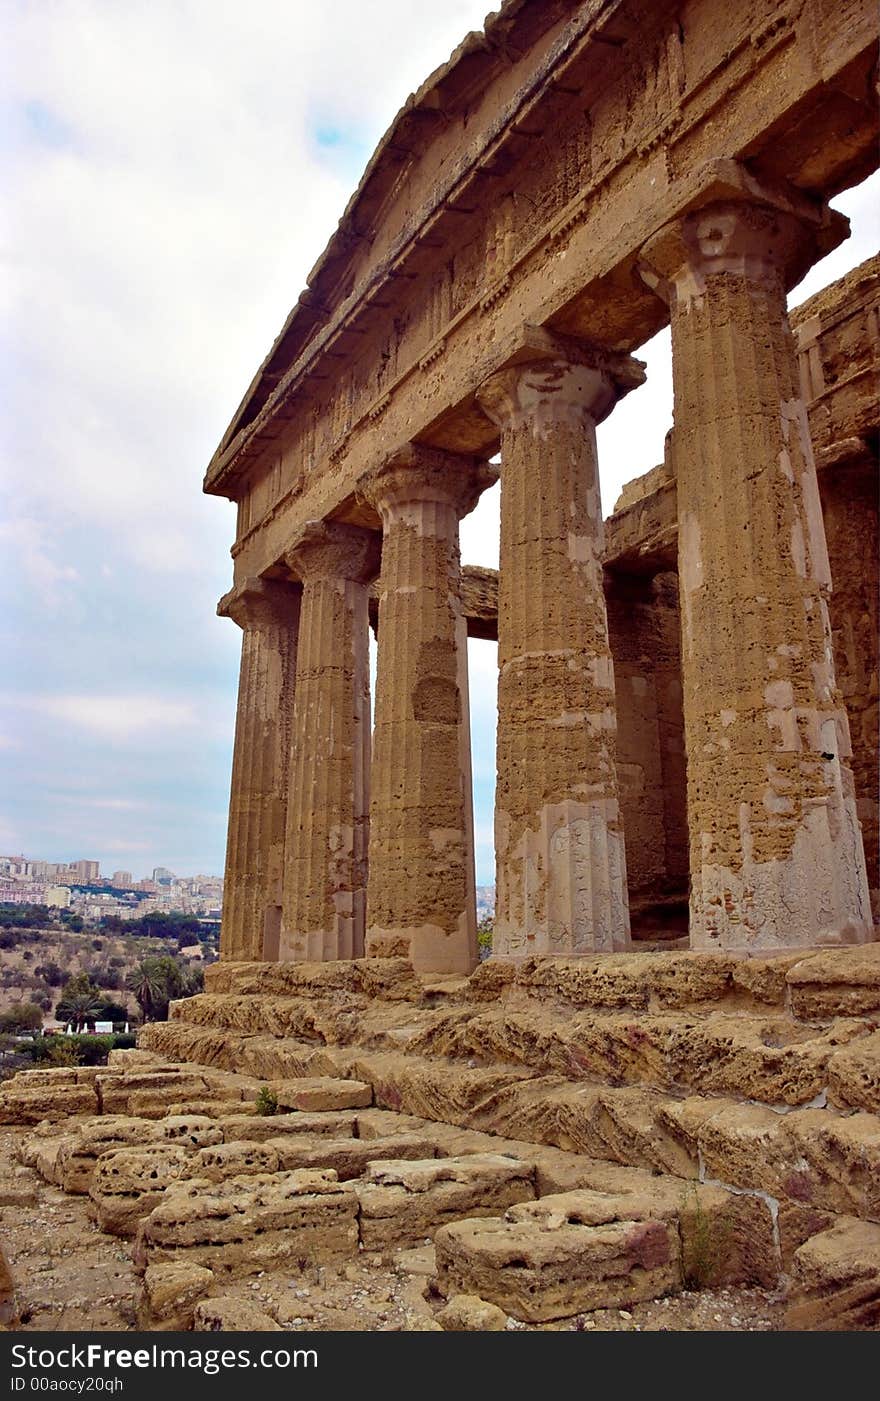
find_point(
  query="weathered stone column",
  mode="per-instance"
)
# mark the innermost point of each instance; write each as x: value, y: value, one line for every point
x: 268, y: 612
x: 325, y: 863
x: 776, y: 851
x: 561, y: 868
x: 421, y: 887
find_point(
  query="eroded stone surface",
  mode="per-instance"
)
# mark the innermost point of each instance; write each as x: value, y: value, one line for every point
x: 539, y: 1270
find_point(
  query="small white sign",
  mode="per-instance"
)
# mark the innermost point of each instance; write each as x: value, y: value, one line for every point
x: 103, y: 1028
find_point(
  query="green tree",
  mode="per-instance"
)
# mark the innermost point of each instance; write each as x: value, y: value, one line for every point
x: 80, y: 1002
x: 156, y: 981
x: 25, y: 1017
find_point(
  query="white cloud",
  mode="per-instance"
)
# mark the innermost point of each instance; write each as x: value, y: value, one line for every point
x: 118, y: 717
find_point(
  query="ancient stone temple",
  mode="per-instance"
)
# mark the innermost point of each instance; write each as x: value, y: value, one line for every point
x: 666, y: 1078
x: 687, y: 692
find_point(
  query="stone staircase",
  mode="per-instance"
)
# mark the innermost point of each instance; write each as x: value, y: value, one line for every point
x: 571, y: 1134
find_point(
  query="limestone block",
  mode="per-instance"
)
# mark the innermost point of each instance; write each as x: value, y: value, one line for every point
x: 854, y: 1074
x: 635, y: 980
x: 537, y: 1271
x: 746, y: 1145
x: 629, y: 1123
x: 215, y: 1164
x: 322, y: 1093
x: 41, y: 1153
x: 764, y: 979
x: 837, y: 1279
x: 135, y: 1058
x: 206, y: 1109
x: 243, y: 1225
x: 836, y: 983
x: 190, y: 1130
x: 403, y: 1202
x: 378, y: 1123
x: 348, y: 1157
x: 465, y: 1313
x: 431, y: 1091
x: 771, y: 1060
x: 258, y: 1127
x: 726, y: 1238
x: 34, y: 1103
x: 232, y: 1316
x: 797, y: 1222
x: 77, y: 1155
x: 129, y: 1182
x: 169, y: 1294
x: 843, y: 1157
x: 161, y: 1087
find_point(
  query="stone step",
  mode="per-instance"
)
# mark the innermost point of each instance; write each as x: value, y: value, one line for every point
x: 810, y: 984
x: 766, y: 1057
x: 810, y: 1159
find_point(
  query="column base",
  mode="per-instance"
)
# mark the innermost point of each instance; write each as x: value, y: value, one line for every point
x: 428, y: 947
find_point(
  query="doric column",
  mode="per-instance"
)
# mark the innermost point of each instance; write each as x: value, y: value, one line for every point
x: 561, y: 868
x: 421, y: 887
x: 776, y: 852
x: 325, y: 862
x: 268, y: 613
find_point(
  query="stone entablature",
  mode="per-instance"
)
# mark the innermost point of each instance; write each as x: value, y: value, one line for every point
x: 644, y: 103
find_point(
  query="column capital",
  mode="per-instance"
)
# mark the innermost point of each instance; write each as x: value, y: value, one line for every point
x: 573, y: 381
x: 257, y: 603
x: 334, y: 550
x: 752, y: 234
x: 417, y: 473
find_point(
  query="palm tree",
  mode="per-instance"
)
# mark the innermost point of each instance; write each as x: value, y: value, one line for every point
x: 79, y: 1003
x: 149, y: 983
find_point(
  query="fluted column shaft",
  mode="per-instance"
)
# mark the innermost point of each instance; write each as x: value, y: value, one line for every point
x: 325, y: 863
x: 776, y: 852
x: 561, y: 867
x: 268, y: 613
x: 420, y: 901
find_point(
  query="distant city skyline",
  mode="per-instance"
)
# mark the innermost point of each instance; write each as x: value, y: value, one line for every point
x: 170, y: 188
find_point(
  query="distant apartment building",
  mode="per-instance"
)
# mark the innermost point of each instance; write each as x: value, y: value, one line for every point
x: 86, y: 871
x: 121, y: 880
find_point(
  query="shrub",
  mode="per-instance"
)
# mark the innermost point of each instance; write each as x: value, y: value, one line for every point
x: 267, y: 1101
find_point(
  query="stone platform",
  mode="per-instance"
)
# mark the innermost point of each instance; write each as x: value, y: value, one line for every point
x: 570, y: 1135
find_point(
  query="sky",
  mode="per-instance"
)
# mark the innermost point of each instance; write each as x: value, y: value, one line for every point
x: 171, y: 172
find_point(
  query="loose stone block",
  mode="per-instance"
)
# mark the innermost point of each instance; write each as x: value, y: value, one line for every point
x: 465, y: 1313
x: 273, y: 1221
x: 404, y: 1202
x: 537, y: 1272
x: 232, y: 1316
x: 169, y: 1294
